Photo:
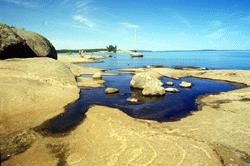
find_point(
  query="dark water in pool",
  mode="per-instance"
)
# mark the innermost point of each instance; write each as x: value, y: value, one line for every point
x: 166, y: 108
x: 172, y: 106
x: 169, y: 107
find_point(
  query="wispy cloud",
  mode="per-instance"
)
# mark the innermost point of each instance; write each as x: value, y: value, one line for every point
x: 24, y: 3
x: 84, y: 21
x: 82, y: 6
x: 129, y: 25
x: 217, y: 34
x: 183, y: 20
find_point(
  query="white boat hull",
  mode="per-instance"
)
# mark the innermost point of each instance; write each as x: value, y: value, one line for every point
x: 136, y: 54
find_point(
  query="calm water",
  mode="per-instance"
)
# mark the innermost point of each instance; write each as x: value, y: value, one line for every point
x: 209, y: 59
x: 169, y: 107
x: 172, y: 106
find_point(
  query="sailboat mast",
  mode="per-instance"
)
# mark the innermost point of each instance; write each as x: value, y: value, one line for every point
x: 135, y: 36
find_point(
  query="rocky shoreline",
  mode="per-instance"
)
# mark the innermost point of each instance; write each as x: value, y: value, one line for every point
x: 37, y: 90
x: 215, y: 135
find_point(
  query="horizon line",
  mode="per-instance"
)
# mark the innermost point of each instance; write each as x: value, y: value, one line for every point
x: 161, y: 50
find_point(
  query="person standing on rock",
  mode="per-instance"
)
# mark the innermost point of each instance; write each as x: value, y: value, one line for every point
x: 81, y: 53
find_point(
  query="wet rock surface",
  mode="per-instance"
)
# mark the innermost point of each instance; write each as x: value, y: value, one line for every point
x: 15, y: 143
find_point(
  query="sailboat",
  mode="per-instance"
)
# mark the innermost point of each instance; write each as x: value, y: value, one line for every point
x: 136, y: 53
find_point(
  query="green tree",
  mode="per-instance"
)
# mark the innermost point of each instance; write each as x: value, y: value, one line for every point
x: 111, y: 48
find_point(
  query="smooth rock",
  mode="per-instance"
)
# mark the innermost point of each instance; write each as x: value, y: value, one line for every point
x: 97, y: 75
x: 33, y: 90
x: 185, y: 84
x: 172, y: 90
x: 38, y: 44
x: 90, y: 82
x: 111, y: 90
x: 132, y: 100
x: 12, y: 45
x: 153, y: 91
x: 19, y: 43
x: 169, y: 83
x: 142, y: 80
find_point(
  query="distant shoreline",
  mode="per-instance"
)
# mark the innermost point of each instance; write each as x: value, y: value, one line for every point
x: 123, y: 51
x: 197, y: 50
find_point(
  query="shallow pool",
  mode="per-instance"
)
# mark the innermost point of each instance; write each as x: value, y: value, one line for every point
x: 170, y: 107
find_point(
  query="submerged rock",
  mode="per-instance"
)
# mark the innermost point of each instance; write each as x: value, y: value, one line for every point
x: 142, y: 80
x: 185, y: 84
x: 132, y: 100
x: 169, y: 83
x: 19, y: 43
x: 90, y: 82
x: 172, y: 90
x: 153, y: 91
x: 111, y: 90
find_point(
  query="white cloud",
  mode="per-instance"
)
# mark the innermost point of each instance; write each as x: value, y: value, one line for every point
x: 84, y: 21
x: 24, y: 3
x: 129, y: 25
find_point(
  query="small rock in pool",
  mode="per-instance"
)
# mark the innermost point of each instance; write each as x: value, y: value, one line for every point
x: 185, y: 84
x: 111, y: 90
x: 169, y: 83
x: 97, y: 75
x: 132, y: 100
x: 172, y: 90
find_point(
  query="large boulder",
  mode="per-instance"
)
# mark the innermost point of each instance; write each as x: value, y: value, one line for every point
x: 39, y: 44
x: 142, y: 80
x: 151, y: 85
x: 19, y: 43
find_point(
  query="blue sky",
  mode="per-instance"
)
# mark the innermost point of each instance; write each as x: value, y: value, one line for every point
x: 160, y: 24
